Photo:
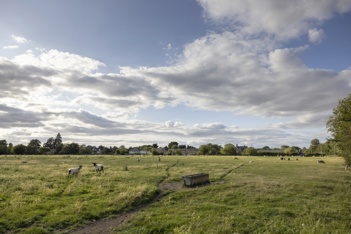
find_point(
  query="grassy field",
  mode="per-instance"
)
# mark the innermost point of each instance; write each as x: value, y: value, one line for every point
x: 268, y: 195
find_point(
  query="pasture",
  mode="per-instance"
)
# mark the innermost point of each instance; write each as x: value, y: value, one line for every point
x: 268, y: 195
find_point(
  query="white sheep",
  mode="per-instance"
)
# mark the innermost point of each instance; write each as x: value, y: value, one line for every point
x: 98, y: 167
x: 74, y: 171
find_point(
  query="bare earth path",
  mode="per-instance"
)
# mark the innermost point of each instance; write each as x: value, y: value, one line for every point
x: 107, y: 225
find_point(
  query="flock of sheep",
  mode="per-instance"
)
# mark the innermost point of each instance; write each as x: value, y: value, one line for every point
x: 98, y: 168
x: 74, y: 171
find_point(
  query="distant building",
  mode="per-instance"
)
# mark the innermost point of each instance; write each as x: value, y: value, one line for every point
x: 134, y: 151
x: 240, y: 149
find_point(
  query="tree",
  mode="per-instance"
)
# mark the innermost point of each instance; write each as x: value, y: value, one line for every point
x: 204, y: 150
x: 122, y: 150
x: 58, y: 143
x: 72, y: 148
x: 314, y: 145
x: 50, y: 143
x: 3, y: 147
x: 250, y: 151
x: 228, y: 149
x: 284, y: 147
x: 19, y: 149
x: 339, y: 125
x: 173, y: 145
x: 209, y: 149
x: 10, y: 148
x: 33, y: 146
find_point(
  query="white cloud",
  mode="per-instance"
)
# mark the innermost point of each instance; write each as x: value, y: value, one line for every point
x: 19, y: 40
x: 11, y: 47
x: 282, y: 19
x: 245, y: 69
x: 316, y: 35
x: 228, y: 72
x: 62, y: 61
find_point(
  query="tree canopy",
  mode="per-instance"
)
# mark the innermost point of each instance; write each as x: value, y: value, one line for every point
x: 339, y: 125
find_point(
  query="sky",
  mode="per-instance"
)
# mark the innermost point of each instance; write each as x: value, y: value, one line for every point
x: 134, y: 72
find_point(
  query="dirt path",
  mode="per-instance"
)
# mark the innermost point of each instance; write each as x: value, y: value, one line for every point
x: 107, y: 225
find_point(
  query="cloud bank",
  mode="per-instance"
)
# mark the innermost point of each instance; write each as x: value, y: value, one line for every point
x: 243, y: 68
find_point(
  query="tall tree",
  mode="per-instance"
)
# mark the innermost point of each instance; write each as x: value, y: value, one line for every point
x: 33, y: 146
x: 19, y: 149
x: 173, y: 145
x: 50, y: 143
x: 209, y: 149
x: 3, y: 147
x: 314, y: 144
x: 122, y: 150
x: 339, y: 125
x: 10, y: 148
x: 228, y: 149
x: 58, y: 145
x: 250, y: 151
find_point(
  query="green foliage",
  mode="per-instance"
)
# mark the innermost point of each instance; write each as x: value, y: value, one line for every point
x: 339, y: 124
x: 173, y: 145
x: 72, y: 148
x: 3, y: 147
x: 19, y: 149
x: 250, y: 151
x: 228, y: 149
x: 209, y: 149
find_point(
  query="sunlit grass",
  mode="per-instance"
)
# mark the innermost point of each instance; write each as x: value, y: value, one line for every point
x: 268, y: 195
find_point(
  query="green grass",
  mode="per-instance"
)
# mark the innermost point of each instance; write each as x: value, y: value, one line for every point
x: 266, y: 196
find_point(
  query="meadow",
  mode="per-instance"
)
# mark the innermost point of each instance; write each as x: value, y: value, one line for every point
x: 268, y: 195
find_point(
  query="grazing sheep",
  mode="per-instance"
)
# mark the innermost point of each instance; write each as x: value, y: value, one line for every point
x: 347, y: 167
x: 74, y: 171
x: 138, y: 159
x: 251, y: 162
x: 321, y: 161
x: 98, y: 167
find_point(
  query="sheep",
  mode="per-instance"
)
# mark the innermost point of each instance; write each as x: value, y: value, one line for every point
x: 347, y: 167
x: 74, y: 171
x: 251, y: 162
x: 98, y: 167
x: 321, y: 161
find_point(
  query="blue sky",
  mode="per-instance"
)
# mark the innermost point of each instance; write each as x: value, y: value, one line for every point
x: 132, y: 72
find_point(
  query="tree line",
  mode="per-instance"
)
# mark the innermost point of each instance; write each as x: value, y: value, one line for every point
x: 55, y: 145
